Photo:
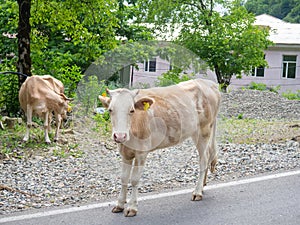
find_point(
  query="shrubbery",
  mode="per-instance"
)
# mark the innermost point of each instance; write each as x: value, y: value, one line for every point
x: 173, y: 76
x: 292, y: 96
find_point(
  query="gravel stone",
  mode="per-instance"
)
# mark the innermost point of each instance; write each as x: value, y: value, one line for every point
x: 47, y: 181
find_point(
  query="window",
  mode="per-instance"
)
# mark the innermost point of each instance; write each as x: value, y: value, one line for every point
x: 258, y: 71
x: 150, y: 65
x: 289, y: 66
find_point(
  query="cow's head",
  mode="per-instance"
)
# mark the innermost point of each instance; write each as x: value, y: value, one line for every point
x: 122, y: 104
x: 64, y: 106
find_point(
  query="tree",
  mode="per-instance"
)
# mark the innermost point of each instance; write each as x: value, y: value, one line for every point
x: 24, y: 29
x: 127, y: 28
x: 230, y: 44
x: 60, y: 38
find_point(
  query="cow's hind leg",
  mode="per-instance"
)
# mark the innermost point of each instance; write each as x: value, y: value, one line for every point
x: 46, y: 127
x: 202, y: 147
x: 58, y: 123
x: 137, y: 171
x: 28, y: 122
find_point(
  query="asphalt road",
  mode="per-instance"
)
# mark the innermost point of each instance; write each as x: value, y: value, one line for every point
x: 272, y: 199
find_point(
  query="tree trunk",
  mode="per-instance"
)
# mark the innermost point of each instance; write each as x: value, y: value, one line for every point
x: 24, y: 61
x: 223, y: 81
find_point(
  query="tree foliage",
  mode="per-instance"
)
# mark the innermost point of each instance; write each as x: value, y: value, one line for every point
x: 287, y: 10
x: 230, y: 43
x: 66, y: 36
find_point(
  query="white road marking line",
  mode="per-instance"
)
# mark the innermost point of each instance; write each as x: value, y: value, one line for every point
x: 149, y: 197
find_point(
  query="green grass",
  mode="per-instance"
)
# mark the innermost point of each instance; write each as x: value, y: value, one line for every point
x: 252, y: 131
x: 292, y: 96
x: 12, y: 146
x: 237, y: 130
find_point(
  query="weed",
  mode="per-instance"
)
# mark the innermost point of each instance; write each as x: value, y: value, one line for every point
x: 252, y: 131
x: 12, y: 146
x: 102, y: 123
x: 240, y: 116
x: 292, y: 96
x: 257, y: 86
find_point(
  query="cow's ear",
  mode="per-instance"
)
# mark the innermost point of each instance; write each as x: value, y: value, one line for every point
x: 66, y: 98
x: 104, y: 100
x: 144, y: 103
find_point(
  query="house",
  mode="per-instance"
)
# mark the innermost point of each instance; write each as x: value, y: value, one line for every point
x: 283, y: 58
x: 283, y: 61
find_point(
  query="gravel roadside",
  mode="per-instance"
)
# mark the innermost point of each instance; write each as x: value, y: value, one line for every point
x: 39, y: 181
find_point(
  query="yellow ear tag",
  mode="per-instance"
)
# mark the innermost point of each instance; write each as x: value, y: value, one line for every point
x: 103, y: 94
x: 146, y: 105
x: 69, y: 108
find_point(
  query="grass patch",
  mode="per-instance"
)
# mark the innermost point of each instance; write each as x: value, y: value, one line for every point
x: 237, y: 130
x: 253, y: 131
x: 12, y: 146
x: 292, y: 96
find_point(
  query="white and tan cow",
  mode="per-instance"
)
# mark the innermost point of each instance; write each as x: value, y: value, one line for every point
x: 41, y: 96
x: 149, y: 119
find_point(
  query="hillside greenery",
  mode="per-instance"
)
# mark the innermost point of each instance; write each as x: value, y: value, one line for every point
x: 287, y: 10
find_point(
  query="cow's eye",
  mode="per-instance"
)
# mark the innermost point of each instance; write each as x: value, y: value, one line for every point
x: 110, y: 110
x: 131, y: 111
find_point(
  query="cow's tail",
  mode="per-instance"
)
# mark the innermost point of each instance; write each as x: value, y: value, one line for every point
x: 213, y: 164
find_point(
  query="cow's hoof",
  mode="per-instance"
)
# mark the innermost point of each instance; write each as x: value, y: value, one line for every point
x: 130, y: 212
x: 117, y: 209
x: 196, y: 197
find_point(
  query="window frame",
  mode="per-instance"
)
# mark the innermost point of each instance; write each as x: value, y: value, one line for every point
x: 255, y: 71
x: 150, y: 65
x: 289, y: 66
x: 259, y: 68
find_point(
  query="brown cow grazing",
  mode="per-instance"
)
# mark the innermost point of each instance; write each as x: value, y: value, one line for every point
x: 149, y: 119
x: 42, y: 95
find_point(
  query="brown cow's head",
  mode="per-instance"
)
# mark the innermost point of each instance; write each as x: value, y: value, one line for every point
x: 64, y: 106
x: 121, y: 105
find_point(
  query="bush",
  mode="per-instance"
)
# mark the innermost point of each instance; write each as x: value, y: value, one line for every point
x: 292, y: 96
x: 275, y: 89
x: 263, y: 87
x: 257, y: 86
x: 173, y: 76
x: 9, y: 95
x: 103, y: 124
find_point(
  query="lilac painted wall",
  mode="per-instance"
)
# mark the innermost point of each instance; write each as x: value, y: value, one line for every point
x: 272, y: 74
x: 142, y: 77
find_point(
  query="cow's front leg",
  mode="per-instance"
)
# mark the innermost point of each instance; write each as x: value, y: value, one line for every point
x: 125, y: 174
x: 137, y: 171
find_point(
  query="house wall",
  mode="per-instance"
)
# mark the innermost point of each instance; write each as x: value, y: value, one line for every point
x: 140, y: 77
x: 273, y: 73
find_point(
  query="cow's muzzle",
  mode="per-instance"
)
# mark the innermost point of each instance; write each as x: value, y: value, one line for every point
x: 120, y: 137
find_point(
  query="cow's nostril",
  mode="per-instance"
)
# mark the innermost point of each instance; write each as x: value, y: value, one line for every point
x: 119, y: 137
x: 115, y: 136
